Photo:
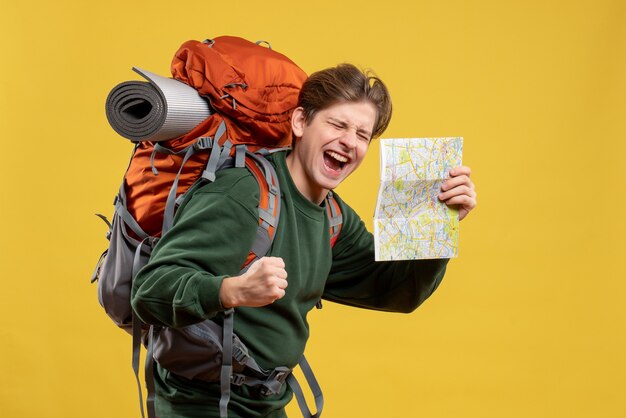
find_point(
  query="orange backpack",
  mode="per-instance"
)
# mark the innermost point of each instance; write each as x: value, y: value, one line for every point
x: 252, y: 91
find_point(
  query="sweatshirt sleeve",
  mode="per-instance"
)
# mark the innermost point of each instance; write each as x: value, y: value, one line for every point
x: 180, y: 284
x: 355, y: 279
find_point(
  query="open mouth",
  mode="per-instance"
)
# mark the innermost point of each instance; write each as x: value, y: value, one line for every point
x: 335, y: 161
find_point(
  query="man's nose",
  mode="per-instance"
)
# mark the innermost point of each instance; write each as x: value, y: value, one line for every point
x: 349, y: 138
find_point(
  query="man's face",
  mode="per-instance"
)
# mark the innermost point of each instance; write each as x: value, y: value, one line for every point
x: 330, y: 147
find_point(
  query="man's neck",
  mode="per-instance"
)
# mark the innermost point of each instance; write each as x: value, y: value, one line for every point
x: 302, y: 183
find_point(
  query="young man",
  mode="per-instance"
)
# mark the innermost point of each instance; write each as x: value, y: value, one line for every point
x: 193, y: 273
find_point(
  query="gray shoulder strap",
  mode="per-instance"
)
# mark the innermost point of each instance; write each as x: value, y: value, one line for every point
x: 264, y: 238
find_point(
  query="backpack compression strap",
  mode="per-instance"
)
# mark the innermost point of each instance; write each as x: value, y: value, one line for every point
x: 315, y: 389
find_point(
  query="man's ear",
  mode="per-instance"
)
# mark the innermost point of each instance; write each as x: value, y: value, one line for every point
x: 298, y: 122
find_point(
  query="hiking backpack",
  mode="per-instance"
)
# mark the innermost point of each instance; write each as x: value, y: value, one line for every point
x: 251, y: 91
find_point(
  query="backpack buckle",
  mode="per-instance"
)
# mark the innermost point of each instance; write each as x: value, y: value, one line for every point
x: 237, y: 379
x: 239, y: 355
x: 275, y: 381
x: 152, y: 241
x: 204, y: 142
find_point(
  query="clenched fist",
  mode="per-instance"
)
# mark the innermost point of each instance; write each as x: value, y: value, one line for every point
x: 263, y: 283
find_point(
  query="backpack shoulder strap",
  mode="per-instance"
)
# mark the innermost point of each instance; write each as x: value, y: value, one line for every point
x: 269, y: 206
x: 269, y: 212
x: 334, y: 216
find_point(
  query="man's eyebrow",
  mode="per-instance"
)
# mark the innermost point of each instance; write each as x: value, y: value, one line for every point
x: 334, y: 119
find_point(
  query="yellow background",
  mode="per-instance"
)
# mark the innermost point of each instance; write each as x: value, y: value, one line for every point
x: 530, y: 320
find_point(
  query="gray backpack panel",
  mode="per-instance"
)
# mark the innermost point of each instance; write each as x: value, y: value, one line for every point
x: 117, y: 270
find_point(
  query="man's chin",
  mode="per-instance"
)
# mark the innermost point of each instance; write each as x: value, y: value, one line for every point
x: 331, y: 183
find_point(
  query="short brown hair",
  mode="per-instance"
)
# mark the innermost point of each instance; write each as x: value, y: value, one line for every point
x: 346, y: 83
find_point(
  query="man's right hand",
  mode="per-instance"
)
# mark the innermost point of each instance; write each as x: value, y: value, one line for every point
x: 262, y: 284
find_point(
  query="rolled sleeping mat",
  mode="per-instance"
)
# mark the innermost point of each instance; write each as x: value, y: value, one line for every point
x: 157, y: 110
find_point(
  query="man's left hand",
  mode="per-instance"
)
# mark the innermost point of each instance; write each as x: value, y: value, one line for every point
x: 458, y: 190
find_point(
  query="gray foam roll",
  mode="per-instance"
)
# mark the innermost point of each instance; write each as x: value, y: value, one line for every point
x: 157, y: 110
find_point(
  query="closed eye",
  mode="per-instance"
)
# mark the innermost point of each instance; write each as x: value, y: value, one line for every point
x: 363, y: 136
x: 337, y: 125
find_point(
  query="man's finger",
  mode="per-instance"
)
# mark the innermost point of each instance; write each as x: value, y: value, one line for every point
x: 455, y: 181
x: 281, y: 273
x: 457, y: 191
x: 280, y: 293
x: 463, y: 200
x: 461, y: 170
x: 275, y: 261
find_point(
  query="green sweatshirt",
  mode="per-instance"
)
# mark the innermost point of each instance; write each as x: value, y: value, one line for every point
x: 212, y: 234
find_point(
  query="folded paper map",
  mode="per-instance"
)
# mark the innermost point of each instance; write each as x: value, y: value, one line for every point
x: 410, y: 221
